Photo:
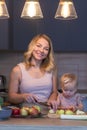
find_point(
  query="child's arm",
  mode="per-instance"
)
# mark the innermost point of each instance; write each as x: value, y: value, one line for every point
x: 79, y: 103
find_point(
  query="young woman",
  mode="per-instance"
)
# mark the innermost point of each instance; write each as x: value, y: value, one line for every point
x: 35, y: 79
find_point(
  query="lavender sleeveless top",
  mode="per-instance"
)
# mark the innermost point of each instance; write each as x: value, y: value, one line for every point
x: 41, y: 87
x: 67, y: 102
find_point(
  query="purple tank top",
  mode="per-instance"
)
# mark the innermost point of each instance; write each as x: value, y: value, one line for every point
x: 41, y: 87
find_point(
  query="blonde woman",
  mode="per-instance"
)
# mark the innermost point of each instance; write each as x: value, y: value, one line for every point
x: 35, y: 79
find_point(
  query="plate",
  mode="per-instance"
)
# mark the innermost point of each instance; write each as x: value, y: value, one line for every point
x: 74, y: 117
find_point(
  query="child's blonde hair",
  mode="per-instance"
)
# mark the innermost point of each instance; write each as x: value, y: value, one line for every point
x: 67, y: 78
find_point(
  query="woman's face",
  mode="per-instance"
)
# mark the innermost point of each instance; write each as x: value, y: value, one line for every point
x: 41, y: 49
x: 69, y: 89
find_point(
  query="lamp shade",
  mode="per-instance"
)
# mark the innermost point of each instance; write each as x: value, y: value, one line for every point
x: 32, y: 10
x: 66, y: 10
x: 3, y: 10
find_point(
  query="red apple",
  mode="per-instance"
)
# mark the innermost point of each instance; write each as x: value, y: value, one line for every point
x: 33, y: 111
x: 15, y: 111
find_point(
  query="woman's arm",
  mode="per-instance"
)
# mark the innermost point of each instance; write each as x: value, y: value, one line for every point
x: 14, y: 81
x: 53, y: 97
x: 13, y: 88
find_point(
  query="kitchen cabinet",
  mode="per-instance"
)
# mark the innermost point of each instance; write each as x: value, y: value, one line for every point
x: 66, y: 35
x: 4, y: 34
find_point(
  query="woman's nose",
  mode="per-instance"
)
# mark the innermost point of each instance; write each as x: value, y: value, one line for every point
x: 41, y: 49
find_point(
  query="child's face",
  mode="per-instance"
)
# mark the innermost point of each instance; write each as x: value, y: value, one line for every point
x: 69, y: 89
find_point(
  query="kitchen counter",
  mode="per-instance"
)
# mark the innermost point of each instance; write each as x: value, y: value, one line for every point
x: 42, y: 124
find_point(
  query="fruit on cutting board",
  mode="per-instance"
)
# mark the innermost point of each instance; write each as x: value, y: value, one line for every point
x: 51, y: 111
x: 69, y: 112
x: 60, y: 111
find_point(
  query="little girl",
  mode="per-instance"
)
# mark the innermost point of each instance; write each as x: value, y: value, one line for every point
x: 69, y: 98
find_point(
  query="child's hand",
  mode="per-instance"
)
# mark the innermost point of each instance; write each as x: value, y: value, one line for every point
x: 72, y: 108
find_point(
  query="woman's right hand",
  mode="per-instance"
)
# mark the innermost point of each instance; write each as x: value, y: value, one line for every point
x: 30, y: 98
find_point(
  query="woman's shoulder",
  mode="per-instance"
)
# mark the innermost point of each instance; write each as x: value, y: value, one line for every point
x: 16, y: 69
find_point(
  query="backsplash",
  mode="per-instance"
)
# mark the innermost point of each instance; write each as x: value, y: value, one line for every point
x: 66, y: 62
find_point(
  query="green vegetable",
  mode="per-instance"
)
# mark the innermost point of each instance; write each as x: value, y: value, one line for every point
x: 1, y: 103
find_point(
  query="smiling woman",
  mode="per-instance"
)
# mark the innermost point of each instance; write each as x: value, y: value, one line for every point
x: 35, y: 79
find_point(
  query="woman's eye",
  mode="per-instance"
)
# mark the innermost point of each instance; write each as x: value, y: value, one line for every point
x: 38, y: 45
x: 47, y: 49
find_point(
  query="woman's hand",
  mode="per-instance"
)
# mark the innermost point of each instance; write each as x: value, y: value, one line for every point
x: 30, y: 98
x: 52, y: 101
x: 52, y: 104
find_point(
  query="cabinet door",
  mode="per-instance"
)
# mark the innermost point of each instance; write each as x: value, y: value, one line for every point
x: 66, y: 35
x: 4, y: 34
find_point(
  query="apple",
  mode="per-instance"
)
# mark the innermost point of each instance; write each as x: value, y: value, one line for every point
x: 69, y: 112
x: 59, y: 112
x: 27, y: 109
x: 23, y: 112
x: 33, y: 111
x: 15, y: 111
x: 38, y: 108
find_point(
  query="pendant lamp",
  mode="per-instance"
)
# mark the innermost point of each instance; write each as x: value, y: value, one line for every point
x: 3, y: 10
x: 32, y: 10
x: 66, y: 10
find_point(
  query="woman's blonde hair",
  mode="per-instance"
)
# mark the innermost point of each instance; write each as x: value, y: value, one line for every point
x: 67, y: 78
x: 48, y: 63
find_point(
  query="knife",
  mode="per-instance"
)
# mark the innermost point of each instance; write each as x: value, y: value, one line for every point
x: 44, y: 104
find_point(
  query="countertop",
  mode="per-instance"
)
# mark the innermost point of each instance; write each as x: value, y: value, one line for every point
x: 42, y: 124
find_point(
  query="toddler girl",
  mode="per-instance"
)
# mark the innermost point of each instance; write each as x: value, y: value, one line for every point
x: 69, y: 98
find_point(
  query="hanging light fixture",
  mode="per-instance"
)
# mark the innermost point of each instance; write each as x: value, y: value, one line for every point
x: 32, y: 10
x: 66, y: 10
x: 3, y: 10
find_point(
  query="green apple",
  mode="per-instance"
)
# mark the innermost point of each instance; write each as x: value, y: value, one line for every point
x: 69, y: 112
x: 59, y: 112
x: 23, y: 112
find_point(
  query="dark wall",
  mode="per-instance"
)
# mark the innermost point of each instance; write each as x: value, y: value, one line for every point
x: 67, y: 36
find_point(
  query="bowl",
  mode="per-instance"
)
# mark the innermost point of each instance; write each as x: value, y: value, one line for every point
x: 5, y: 113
